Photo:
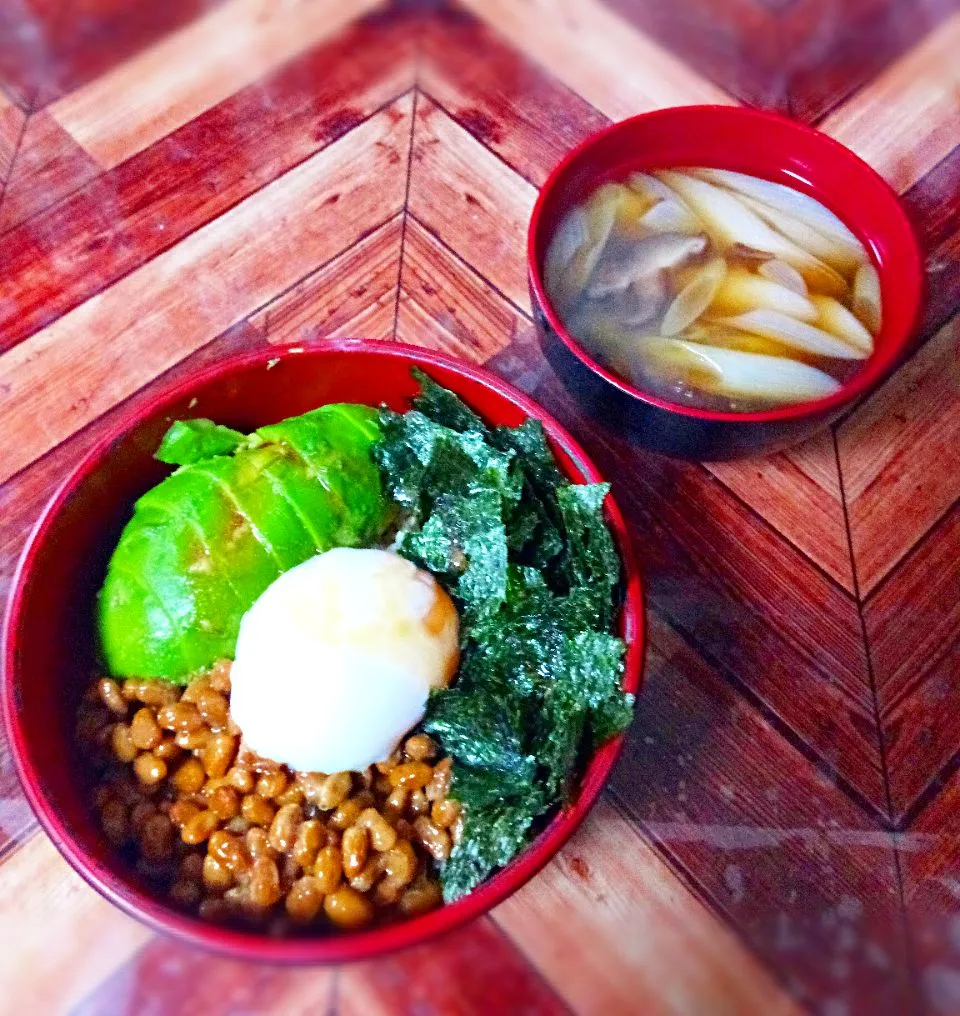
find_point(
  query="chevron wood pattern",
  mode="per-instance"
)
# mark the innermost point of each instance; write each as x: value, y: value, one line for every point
x: 187, y: 179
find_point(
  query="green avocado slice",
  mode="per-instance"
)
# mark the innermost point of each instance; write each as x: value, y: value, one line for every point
x: 321, y: 515
x: 204, y: 543
x: 191, y: 500
x: 334, y: 443
x: 256, y: 509
x: 136, y: 628
x: 190, y: 441
x: 198, y: 609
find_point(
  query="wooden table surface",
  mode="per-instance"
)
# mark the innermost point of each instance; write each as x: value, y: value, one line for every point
x: 186, y: 178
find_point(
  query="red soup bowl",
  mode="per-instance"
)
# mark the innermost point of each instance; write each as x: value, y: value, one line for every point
x: 763, y: 145
x: 49, y: 652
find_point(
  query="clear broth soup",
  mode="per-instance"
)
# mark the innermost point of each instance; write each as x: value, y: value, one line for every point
x: 715, y: 289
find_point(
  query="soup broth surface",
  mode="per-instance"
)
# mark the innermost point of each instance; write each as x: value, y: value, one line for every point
x: 715, y: 289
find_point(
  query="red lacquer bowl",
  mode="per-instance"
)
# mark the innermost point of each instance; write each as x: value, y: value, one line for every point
x: 763, y: 145
x: 48, y: 636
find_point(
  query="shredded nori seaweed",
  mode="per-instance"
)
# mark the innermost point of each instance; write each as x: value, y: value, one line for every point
x: 531, y: 564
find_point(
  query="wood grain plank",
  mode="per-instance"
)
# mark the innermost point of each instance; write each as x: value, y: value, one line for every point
x: 769, y: 620
x: 353, y: 296
x: 798, y: 492
x: 12, y: 120
x: 49, y: 165
x: 736, y: 44
x: 93, y: 36
x: 27, y: 30
x: 798, y: 57
x: 758, y: 609
x: 676, y: 956
x: 932, y: 890
x: 474, y: 202
x: 216, y: 276
x: 447, y: 306
x: 126, y: 216
x: 166, y: 977
x: 913, y: 626
x: 16, y: 818
x: 807, y: 879
x: 934, y: 207
x: 472, y: 972
x: 500, y: 96
x: 832, y: 50
x: 908, y: 119
x: 900, y: 457
x: 47, y: 965
x: 817, y: 459
x: 192, y: 70
x: 598, y: 54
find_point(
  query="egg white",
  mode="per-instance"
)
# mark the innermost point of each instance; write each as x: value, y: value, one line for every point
x: 336, y: 658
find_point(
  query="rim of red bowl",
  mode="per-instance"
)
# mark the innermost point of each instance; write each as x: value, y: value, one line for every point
x: 876, y: 367
x: 337, y: 947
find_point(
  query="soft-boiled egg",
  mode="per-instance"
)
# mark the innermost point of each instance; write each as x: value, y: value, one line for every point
x: 336, y: 658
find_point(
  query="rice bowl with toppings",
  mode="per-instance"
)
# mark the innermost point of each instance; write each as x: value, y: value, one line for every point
x: 527, y: 560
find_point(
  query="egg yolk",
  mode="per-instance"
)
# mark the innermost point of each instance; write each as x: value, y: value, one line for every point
x: 336, y: 658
